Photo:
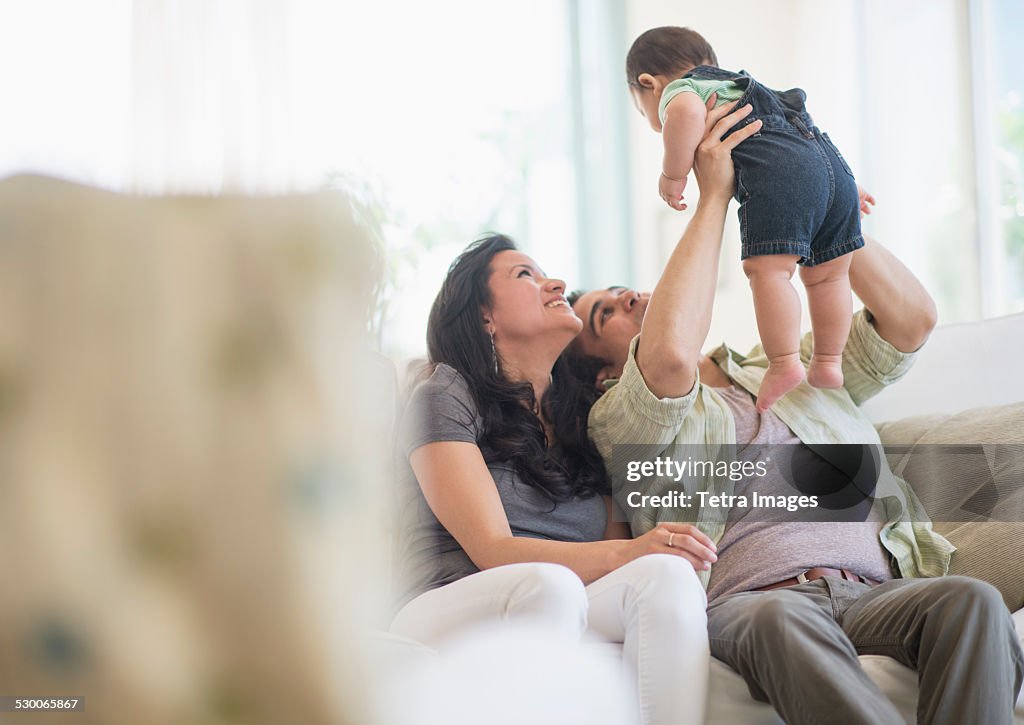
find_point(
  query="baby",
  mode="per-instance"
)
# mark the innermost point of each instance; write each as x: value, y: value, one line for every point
x: 799, y: 203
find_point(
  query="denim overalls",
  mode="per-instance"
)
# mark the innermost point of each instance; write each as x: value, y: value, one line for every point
x: 796, y: 193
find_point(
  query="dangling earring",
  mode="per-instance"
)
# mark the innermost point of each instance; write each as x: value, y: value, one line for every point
x: 494, y: 354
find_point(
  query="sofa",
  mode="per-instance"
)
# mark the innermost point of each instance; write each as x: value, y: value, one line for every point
x: 957, y: 392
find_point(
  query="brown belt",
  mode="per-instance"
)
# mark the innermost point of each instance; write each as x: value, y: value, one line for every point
x: 817, y: 573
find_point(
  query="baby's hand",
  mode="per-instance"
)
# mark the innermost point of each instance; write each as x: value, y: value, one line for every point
x: 671, y: 191
x: 865, y: 199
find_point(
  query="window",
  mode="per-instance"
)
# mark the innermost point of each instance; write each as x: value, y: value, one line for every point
x: 997, y: 27
x: 455, y: 118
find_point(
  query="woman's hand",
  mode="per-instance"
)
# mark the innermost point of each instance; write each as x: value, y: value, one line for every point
x: 712, y: 164
x: 683, y: 540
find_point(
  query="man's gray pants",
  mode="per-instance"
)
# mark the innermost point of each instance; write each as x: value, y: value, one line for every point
x: 797, y: 648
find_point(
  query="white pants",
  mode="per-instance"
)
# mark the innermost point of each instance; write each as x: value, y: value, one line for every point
x: 654, y: 605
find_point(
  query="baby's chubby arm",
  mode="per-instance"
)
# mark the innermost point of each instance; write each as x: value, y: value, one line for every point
x: 682, y: 131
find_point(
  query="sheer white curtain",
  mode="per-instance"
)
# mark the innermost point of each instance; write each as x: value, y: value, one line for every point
x: 453, y: 117
x: 210, y: 97
x: 919, y: 129
x: 151, y: 96
x: 65, y: 89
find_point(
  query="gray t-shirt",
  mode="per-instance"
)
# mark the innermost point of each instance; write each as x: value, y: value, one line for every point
x: 753, y: 553
x: 442, y: 408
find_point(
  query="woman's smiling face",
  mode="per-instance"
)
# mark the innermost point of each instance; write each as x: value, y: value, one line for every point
x: 526, y: 305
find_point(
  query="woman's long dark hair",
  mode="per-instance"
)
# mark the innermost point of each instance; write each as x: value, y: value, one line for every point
x: 456, y: 336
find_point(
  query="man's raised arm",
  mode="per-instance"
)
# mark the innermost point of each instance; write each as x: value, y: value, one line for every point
x: 904, y: 313
x: 678, y: 315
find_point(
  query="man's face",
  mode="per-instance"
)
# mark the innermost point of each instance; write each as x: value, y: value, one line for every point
x: 611, y: 319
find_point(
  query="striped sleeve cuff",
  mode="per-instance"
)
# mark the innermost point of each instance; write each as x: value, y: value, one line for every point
x: 876, y: 357
x: 870, y: 363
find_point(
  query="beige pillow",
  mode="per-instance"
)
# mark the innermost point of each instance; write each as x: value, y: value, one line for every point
x: 981, y: 484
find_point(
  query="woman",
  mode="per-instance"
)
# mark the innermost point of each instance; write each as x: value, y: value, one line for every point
x: 511, y: 517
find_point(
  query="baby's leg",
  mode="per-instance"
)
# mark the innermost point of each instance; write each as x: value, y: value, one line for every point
x: 778, y: 320
x: 828, y: 298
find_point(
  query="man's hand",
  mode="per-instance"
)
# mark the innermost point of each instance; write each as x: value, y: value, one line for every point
x: 671, y: 191
x: 865, y: 199
x: 712, y: 164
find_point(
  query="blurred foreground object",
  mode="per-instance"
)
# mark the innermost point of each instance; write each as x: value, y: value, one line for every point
x: 508, y: 674
x: 188, y: 481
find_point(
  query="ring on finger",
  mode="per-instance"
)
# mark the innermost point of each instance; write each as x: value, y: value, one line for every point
x: 670, y: 535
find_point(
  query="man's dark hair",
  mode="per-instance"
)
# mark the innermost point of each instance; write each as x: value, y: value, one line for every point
x: 584, y: 367
x: 667, y: 51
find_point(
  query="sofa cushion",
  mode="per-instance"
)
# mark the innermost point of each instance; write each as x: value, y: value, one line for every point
x: 992, y: 424
x: 981, y: 484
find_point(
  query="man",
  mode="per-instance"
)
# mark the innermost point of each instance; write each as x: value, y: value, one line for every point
x: 793, y: 603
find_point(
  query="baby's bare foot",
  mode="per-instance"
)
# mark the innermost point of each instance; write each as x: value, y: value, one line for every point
x: 826, y: 371
x: 785, y: 372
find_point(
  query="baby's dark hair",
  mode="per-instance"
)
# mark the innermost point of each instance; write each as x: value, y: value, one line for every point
x: 667, y: 51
